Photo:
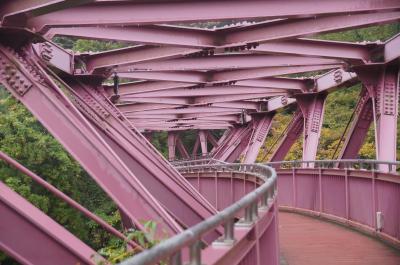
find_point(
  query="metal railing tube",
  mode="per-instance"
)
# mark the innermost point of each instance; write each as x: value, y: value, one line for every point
x: 166, y: 248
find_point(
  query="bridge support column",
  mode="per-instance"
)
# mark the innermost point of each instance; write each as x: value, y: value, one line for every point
x: 203, y: 142
x: 312, y: 107
x: 172, y: 145
x: 293, y: 132
x: 382, y: 83
x: 261, y: 126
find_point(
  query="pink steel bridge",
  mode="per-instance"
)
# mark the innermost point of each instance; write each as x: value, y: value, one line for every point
x: 178, y: 78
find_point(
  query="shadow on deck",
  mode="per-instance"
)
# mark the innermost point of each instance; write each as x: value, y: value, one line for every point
x: 308, y: 241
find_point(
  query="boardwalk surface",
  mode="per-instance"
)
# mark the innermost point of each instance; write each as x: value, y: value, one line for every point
x: 308, y: 241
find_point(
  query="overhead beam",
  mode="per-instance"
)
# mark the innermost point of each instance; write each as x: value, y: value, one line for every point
x: 189, y: 77
x: 131, y: 55
x: 229, y: 98
x: 333, y: 79
x: 278, y: 82
x: 13, y: 11
x: 219, y: 62
x: 138, y: 107
x: 182, y: 128
x: 164, y: 100
x: 207, y: 91
x: 188, y: 110
x: 320, y: 48
x: 127, y: 13
x: 284, y: 29
x: 392, y: 49
x: 152, y: 35
x: 266, y: 72
x: 146, y: 86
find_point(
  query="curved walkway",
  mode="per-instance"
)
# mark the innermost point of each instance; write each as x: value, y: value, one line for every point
x: 308, y: 241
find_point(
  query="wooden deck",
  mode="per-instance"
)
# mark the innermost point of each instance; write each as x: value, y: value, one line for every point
x: 308, y: 241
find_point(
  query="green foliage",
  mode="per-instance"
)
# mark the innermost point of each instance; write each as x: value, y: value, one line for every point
x: 118, y: 250
x: 382, y: 33
x: 96, y: 46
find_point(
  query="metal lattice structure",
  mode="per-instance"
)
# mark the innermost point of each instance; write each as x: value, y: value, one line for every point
x: 173, y: 76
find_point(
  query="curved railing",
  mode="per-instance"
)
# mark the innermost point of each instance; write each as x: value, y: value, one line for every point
x: 259, y: 200
x: 361, y: 194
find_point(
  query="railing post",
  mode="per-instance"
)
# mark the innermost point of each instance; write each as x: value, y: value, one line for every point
x: 346, y: 187
x: 265, y: 200
x: 320, y: 189
x: 195, y: 253
x: 176, y: 258
x: 229, y: 232
x: 254, y: 211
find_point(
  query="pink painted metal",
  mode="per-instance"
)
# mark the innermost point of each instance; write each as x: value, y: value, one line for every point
x: 350, y: 197
x: 284, y: 29
x: 310, y: 47
x: 185, y: 78
x: 171, y: 145
x: 312, y: 107
x: 293, y: 132
x: 363, y: 117
x: 59, y: 194
x: 203, y: 142
x: 262, y: 125
x: 68, y: 125
x: 31, y: 237
x: 143, y: 13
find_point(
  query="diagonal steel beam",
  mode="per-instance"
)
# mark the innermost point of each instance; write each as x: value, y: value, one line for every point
x: 181, y: 147
x: 170, y: 189
x: 23, y: 226
x: 363, y: 117
x: 57, y: 113
x: 293, y: 132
